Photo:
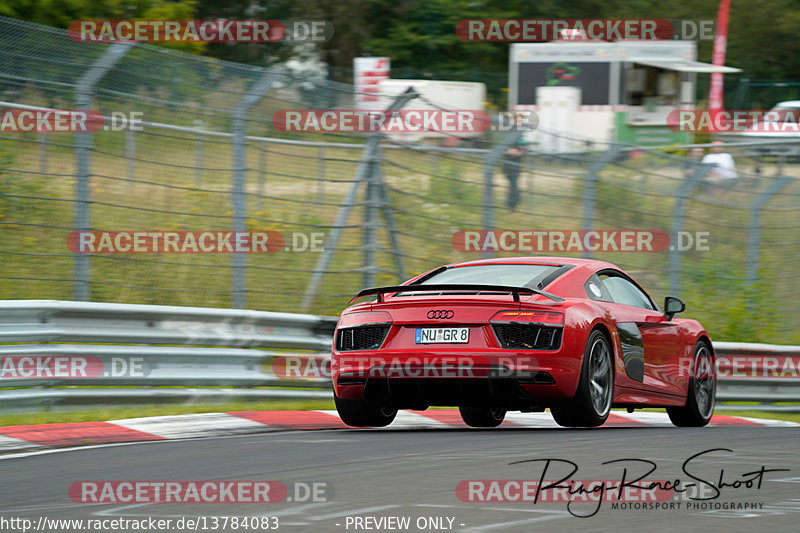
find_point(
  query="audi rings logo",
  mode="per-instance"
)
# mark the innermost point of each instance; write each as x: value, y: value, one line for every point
x: 441, y: 313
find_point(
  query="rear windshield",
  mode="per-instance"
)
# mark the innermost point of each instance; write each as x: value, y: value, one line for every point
x: 513, y: 275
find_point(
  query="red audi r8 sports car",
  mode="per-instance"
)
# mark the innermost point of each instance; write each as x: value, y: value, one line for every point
x: 577, y: 336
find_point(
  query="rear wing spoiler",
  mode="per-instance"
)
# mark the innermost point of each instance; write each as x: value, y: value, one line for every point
x: 515, y: 291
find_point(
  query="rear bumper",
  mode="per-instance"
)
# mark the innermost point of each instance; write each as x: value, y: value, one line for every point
x: 496, y: 377
x: 418, y: 393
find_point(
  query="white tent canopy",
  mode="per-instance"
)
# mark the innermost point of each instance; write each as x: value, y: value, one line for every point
x: 690, y: 66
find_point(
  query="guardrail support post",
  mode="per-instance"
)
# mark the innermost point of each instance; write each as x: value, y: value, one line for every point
x: 83, y: 145
x: 253, y: 95
x: 371, y: 222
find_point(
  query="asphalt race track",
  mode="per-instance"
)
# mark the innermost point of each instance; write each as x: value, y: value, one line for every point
x: 377, y: 474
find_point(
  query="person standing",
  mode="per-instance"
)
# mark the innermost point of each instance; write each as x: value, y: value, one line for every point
x: 724, y: 166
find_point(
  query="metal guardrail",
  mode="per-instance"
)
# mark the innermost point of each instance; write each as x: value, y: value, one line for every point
x: 128, y: 353
x: 149, y: 348
x: 54, y: 321
x: 754, y: 372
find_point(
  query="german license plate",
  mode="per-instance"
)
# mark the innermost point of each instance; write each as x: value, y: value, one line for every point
x: 441, y: 335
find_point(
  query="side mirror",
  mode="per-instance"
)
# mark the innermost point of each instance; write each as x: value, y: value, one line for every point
x: 673, y: 306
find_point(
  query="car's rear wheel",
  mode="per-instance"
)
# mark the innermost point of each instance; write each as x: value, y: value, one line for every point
x: 482, y: 417
x: 702, y: 391
x: 592, y: 401
x: 364, y: 414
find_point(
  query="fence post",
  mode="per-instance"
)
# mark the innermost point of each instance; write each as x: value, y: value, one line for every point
x: 368, y: 170
x: 333, y: 239
x: 371, y: 206
x: 386, y: 206
x: 83, y: 144
x: 754, y: 229
x: 510, y: 138
x: 675, y: 254
x: 590, y: 188
x: 253, y: 95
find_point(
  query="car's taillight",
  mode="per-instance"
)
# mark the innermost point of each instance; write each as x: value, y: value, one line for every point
x: 529, y: 329
x: 364, y: 318
x: 362, y: 330
x: 550, y: 318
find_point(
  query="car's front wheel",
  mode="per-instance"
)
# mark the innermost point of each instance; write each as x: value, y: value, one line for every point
x: 592, y: 401
x: 702, y: 391
x: 364, y: 414
x: 482, y: 417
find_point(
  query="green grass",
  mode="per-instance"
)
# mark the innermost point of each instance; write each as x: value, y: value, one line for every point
x: 116, y: 413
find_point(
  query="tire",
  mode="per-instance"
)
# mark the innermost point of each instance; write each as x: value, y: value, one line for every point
x: 364, y: 414
x: 700, y: 397
x: 592, y: 401
x: 482, y: 417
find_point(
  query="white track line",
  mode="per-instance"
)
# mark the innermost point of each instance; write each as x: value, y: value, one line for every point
x: 189, y: 426
x: 769, y: 422
x: 647, y: 418
x: 10, y: 443
x: 532, y: 420
x: 226, y: 425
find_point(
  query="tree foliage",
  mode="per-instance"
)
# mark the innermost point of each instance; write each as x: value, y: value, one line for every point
x: 419, y: 35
